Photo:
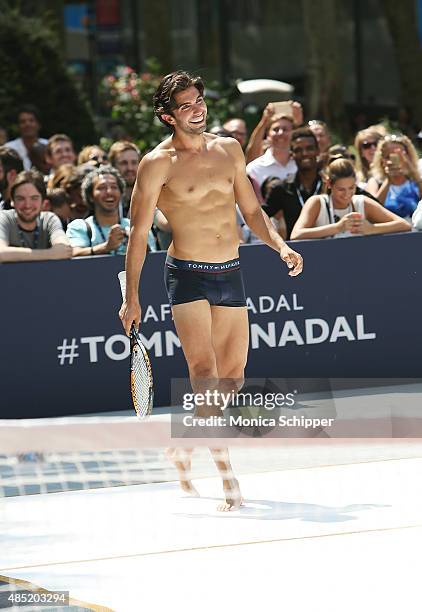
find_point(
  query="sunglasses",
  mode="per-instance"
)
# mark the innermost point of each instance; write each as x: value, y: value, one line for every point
x: 369, y: 145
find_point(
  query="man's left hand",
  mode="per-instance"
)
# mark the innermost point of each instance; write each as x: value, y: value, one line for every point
x: 293, y: 260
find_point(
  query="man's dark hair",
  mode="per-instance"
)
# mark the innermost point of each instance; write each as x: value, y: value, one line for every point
x: 57, y: 197
x: 171, y: 84
x: 30, y: 109
x: 303, y: 133
x: 34, y: 178
x: 268, y: 185
x: 10, y: 160
x: 88, y: 183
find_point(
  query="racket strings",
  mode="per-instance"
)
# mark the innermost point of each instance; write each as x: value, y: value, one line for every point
x: 141, y: 381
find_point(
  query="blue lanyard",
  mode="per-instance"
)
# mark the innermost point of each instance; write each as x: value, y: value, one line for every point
x: 100, y: 229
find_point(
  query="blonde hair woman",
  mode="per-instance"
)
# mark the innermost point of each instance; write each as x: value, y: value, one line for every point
x: 341, y: 213
x: 366, y: 142
x: 92, y: 154
x: 396, y: 181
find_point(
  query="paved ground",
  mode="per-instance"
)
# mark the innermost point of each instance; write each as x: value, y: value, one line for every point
x: 336, y: 537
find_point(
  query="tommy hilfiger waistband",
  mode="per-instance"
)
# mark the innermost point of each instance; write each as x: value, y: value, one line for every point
x: 202, y: 266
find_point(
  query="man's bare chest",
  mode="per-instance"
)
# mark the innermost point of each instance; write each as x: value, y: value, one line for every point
x: 195, y: 176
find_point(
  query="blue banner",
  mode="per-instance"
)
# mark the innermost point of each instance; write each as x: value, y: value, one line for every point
x: 354, y: 312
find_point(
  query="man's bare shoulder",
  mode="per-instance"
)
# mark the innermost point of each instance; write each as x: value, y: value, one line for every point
x: 160, y: 155
x: 157, y: 162
x: 230, y: 145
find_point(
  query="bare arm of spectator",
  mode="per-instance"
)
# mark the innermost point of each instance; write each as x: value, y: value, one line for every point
x: 116, y: 236
x: 379, y: 192
x: 297, y: 114
x: 281, y: 224
x: 372, y: 186
x: 256, y: 141
x: 60, y: 247
x: 161, y: 221
x: 304, y: 227
x: 404, y: 169
x: 378, y: 220
x: 57, y: 251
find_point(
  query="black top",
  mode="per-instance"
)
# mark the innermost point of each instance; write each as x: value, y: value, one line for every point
x: 289, y: 196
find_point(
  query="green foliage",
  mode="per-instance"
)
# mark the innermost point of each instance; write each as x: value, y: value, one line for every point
x: 127, y: 97
x: 32, y: 71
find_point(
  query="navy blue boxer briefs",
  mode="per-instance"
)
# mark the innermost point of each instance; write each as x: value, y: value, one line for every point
x: 221, y: 284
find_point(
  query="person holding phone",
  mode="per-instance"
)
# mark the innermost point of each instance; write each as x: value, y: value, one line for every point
x: 261, y: 134
x: 341, y: 213
x: 276, y: 161
x: 396, y: 181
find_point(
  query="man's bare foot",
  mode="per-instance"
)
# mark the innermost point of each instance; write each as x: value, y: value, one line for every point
x: 187, y: 487
x: 180, y: 457
x: 232, y: 494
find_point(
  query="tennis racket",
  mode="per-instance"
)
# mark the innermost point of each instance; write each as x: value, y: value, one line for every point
x: 141, y: 382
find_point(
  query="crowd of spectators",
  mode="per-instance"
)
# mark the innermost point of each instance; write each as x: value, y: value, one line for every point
x: 57, y: 202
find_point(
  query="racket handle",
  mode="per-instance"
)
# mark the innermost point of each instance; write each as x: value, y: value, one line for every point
x: 122, y: 280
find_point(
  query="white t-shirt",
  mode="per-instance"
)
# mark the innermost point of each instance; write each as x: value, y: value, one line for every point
x: 265, y: 166
x: 22, y: 151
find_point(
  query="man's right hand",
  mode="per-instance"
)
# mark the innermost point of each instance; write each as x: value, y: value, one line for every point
x: 115, y: 238
x: 130, y: 313
x: 60, y: 251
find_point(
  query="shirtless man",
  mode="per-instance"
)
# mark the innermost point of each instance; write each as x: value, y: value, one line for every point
x: 195, y: 179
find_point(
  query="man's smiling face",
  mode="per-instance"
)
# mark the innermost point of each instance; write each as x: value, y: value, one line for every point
x: 305, y: 153
x: 106, y: 193
x: 190, y: 112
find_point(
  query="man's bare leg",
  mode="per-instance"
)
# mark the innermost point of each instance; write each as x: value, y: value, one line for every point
x: 181, y: 458
x: 230, y: 336
x: 194, y: 325
x: 193, y: 320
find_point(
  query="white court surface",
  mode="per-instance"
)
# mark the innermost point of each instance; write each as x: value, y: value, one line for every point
x: 330, y: 538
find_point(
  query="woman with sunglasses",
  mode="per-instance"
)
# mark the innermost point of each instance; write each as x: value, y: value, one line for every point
x: 396, y: 181
x: 366, y: 142
x: 341, y: 213
x: 92, y: 154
